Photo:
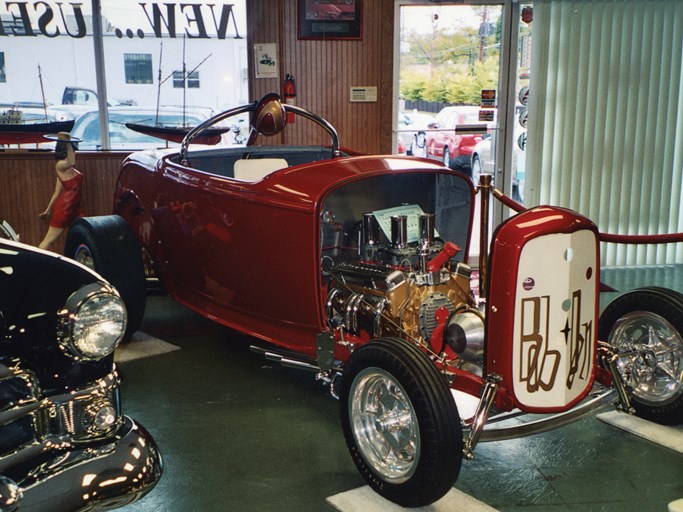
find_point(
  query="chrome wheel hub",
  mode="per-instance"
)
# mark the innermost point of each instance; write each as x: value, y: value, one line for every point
x: 650, y: 353
x: 384, y: 425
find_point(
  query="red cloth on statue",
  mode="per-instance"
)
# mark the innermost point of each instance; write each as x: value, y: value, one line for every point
x: 67, y: 207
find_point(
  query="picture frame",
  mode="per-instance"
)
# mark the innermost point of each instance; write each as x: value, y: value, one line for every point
x: 330, y: 19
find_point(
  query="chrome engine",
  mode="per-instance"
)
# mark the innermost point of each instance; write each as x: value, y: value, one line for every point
x: 406, y: 290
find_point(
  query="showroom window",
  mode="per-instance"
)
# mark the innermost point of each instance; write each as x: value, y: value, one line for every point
x: 128, y: 63
x: 593, y: 106
x: 138, y: 68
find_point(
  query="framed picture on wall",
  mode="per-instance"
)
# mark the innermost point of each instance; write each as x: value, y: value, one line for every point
x: 330, y: 19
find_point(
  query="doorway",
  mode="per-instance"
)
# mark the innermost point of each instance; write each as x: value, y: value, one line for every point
x: 461, y: 89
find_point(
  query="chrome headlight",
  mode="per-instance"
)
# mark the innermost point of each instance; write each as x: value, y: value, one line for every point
x: 93, y: 322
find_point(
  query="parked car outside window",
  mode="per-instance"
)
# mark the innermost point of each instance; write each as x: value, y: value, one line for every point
x: 412, y: 132
x: 87, y: 126
x: 443, y: 143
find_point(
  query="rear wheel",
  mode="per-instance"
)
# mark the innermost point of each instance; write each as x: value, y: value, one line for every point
x: 645, y: 328
x: 400, y: 422
x: 476, y: 168
x: 107, y: 245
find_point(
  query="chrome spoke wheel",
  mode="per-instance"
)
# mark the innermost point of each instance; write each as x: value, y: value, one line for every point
x: 650, y: 356
x: 400, y: 422
x: 384, y: 424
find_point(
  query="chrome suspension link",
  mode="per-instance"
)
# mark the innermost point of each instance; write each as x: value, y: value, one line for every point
x: 610, y: 358
x: 481, y: 415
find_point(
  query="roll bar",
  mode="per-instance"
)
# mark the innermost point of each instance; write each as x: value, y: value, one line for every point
x: 259, y: 105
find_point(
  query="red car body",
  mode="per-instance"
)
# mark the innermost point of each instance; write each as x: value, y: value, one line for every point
x: 202, y: 227
x: 356, y: 266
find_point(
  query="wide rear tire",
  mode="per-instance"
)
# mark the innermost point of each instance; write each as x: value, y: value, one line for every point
x: 645, y: 328
x: 400, y: 422
x: 107, y: 245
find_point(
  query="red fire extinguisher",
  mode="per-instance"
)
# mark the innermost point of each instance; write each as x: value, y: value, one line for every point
x: 289, y: 94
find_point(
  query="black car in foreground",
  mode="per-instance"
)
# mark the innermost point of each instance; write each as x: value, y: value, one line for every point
x: 64, y: 443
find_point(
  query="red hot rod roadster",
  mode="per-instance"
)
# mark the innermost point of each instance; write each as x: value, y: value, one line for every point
x: 356, y: 266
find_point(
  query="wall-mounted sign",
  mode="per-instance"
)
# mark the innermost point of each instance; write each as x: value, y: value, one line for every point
x: 486, y: 115
x: 265, y: 60
x: 488, y: 98
x: 363, y: 94
x: 524, y: 95
x: 523, y: 117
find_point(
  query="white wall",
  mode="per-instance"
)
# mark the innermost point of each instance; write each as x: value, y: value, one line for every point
x: 66, y: 61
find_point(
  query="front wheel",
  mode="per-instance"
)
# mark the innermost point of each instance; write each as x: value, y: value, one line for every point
x: 645, y: 328
x: 400, y: 422
x: 107, y: 245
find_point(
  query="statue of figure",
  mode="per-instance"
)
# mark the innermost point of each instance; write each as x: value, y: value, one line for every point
x: 65, y: 203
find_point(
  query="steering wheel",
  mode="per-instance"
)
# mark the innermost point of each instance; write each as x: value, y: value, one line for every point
x: 269, y: 117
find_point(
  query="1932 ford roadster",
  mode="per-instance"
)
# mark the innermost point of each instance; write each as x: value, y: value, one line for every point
x: 357, y: 267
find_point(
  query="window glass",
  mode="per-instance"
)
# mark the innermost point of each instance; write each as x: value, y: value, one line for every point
x: 184, y: 79
x: 168, y: 46
x: 138, y: 68
x: 47, y: 58
x: 121, y: 136
x: 193, y: 80
x: 178, y: 80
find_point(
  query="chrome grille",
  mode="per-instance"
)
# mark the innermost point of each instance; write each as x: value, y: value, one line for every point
x: 28, y: 422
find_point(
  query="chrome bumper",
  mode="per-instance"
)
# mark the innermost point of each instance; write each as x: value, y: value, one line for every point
x: 97, y: 477
x: 588, y: 408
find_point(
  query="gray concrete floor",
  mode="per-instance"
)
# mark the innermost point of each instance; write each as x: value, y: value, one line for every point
x: 239, y: 433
